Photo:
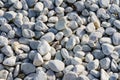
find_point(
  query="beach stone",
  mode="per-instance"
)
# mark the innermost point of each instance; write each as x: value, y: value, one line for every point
x: 43, y: 47
x: 3, y: 41
x: 11, y: 61
x: 27, y: 68
x: 116, y: 38
x: 40, y: 76
x: 107, y: 48
x: 105, y: 63
x: 104, y: 3
x: 3, y: 74
x: 56, y: 65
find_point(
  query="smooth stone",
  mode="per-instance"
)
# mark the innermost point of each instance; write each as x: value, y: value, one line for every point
x: 40, y: 76
x: 27, y: 68
x: 7, y: 50
x: 3, y: 41
x: 43, y: 47
x: 104, y: 75
x: 56, y: 65
x: 116, y: 38
x: 105, y: 63
x: 3, y: 74
x: 11, y: 61
x: 49, y: 37
x: 104, y: 3
x: 34, y: 44
x: 27, y: 33
x: 50, y: 75
x: 93, y: 64
x: 61, y: 24
x: 70, y: 76
x: 38, y: 60
x: 107, y: 48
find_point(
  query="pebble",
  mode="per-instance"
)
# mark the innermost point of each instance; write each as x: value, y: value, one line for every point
x: 40, y: 26
x: 117, y: 23
x: 18, y: 3
x: 3, y: 74
x: 47, y: 57
x: 38, y: 60
x: 3, y: 41
x: 40, y: 76
x: 50, y: 75
x: 90, y: 27
x: 116, y: 38
x: 114, y: 66
x: 59, y: 35
x: 10, y: 15
x: 58, y: 2
x: 1, y: 58
x: 79, y: 5
x: 7, y: 50
x: 27, y: 68
x: 44, y: 47
x: 38, y: 6
x: 89, y: 57
x: 68, y: 69
x: 104, y: 3
x: 78, y: 69
x: 107, y: 48
x: 105, y: 63
x: 27, y: 33
x: 76, y: 61
x: 70, y: 43
x: 64, y: 53
x: 95, y: 73
x: 49, y: 37
x: 11, y: 61
x: 70, y: 76
x: 61, y: 24
x: 83, y: 77
x: 93, y: 64
x: 104, y: 75
x: 30, y: 76
x: 56, y: 65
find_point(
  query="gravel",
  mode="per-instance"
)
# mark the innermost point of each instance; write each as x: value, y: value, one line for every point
x: 59, y: 39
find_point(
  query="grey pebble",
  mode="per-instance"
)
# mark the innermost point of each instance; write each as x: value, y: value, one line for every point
x: 7, y: 50
x: 105, y: 63
x: 104, y: 75
x: 3, y: 41
x: 117, y: 24
x: 27, y: 68
x: 44, y: 47
x: 64, y: 53
x: 56, y: 65
x: 107, y: 48
x: 1, y: 58
x: 93, y: 64
x: 116, y: 38
x: 104, y: 3
x: 61, y: 24
x: 70, y: 76
x: 27, y: 33
x: 110, y: 31
x: 34, y: 44
x: 3, y: 74
x: 40, y: 76
x: 11, y: 61
x: 50, y: 75
x: 79, y: 5
x: 40, y: 26
x: 10, y: 15
x: 83, y: 77
x: 98, y: 54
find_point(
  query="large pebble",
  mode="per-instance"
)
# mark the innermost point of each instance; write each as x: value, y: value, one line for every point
x: 27, y: 68
x: 56, y: 65
x: 43, y: 47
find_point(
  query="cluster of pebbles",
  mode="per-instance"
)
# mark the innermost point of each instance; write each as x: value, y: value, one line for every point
x: 59, y: 40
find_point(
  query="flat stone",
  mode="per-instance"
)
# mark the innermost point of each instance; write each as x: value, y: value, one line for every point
x: 43, y: 47
x: 11, y: 61
x: 56, y: 65
x: 27, y: 68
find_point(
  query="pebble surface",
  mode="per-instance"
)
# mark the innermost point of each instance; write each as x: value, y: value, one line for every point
x: 59, y: 40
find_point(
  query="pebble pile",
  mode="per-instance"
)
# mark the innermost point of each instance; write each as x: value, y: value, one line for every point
x: 59, y: 39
